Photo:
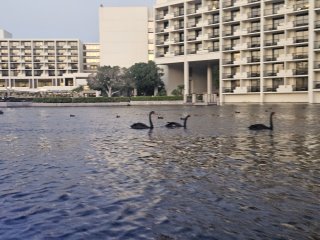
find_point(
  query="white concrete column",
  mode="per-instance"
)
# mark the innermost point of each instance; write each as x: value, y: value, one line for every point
x: 186, y: 80
x: 311, y: 59
x: 209, y: 82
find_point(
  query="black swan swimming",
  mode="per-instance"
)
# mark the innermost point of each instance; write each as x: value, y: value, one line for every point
x: 1, y: 112
x: 142, y: 125
x: 178, y: 125
x: 262, y: 126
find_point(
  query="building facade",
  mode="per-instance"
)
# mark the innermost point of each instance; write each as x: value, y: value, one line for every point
x: 41, y: 65
x: 124, y: 36
x: 243, y: 50
x: 91, y: 57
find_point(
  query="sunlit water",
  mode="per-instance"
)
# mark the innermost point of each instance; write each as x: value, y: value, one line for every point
x: 92, y: 177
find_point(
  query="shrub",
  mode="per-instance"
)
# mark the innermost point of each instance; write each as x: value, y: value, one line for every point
x: 157, y: 98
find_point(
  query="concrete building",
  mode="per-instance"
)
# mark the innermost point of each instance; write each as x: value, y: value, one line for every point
x: 245, y: 50
x: 41, y: 65
x: 91, y: 57
x: 124, y: 36
x: 5, y: 34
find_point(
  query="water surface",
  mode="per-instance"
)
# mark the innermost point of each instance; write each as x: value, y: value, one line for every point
x: 92, y: 177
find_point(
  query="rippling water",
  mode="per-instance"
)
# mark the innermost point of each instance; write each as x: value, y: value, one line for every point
x: 92, y: 177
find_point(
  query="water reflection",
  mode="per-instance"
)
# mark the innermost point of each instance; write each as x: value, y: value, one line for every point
x: 92, y: 177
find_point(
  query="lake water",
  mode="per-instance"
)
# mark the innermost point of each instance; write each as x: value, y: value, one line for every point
x: 92, y: 177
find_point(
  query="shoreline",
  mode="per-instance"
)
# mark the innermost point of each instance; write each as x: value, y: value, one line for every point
x: 111, y: 104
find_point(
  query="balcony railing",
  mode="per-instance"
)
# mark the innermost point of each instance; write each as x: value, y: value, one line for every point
x: 253, y: 74
x: 317, y: 24
x: 228, y: 89
x: 191, y: 37
x: 273, y: 10
x: 270, y: 73
x: 254, y: 14
x: 213, y: 34
x: 191, y: 10
x: 228, y: 3
x: 191, y: 24
x: 178, y: 39
x: 270, y: 58
x: 270, y: 42
x: 178, y: 13
x: 178, y: 53
x: 228, y: 47
x: 317, y: 65
x: 302, y: 71
x: 228, y: 61
x: 254, y: 89
x: 269, y: 89
x: 300, y: 39
x: 253, y: 59
x: 301, y: 6
x: 317, y: 44
x: 254, y: 44
x: 316, y: 85
x: 191, y: 51
x: 270, y: 27
x: 178, y: 26
x: 228, y: 75
x: 300, y: 55
x: 213, y: 21
x: 159, y: 16
x: 254, y: 29
x: 159, y: 30
x: 300, y: 22
x: 213, y: 49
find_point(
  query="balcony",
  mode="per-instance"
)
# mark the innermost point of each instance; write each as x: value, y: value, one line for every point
x: 160, y: 16
x: 191, y: 11
x: 254, y: 89
x: 213, y: 48
x: 316, y: 65
x: 178, y: 40
x: 271, y: 58
x: 254, y: 29
x: 300, y: 22
x: 316, y: 85
x: 254, y: 14
x: 213, y: 34
x: 301, y: 39
x: 301, y: 6
x: 191, y: 51
x: 300, y: 55
x: 228, y: 47
x: 191, y: 24
x: 178, y: 52
x: 270, y: 73
x: 228, y: 89
x: 270, y: 27
x: 253, y: 59
x: 317, y: 45
x: 191, y: 37
x: 253, y: 74
x: 178, y: 27
x: 228, y: 3
x: 213, y: 21
x: 160, y: 42
x: 317, y: 4
x: 178, y: 13
x: 228, y: 75
x: 302, y: 71
x: 254, y: 44
x: 228, y: 61
x: 270, y: 42
x: 317, y: 24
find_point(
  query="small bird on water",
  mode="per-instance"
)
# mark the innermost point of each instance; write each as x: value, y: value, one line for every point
x: 1, y: 112
x: 71, y: 115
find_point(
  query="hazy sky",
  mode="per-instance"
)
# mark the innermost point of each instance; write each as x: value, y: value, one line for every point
x: 57, y: 18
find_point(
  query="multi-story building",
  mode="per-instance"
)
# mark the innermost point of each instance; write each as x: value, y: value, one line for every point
x: 248, y: 50
x: 91, y: 57
x: 124, y: 35
x: 5, y: 34
x: 41, y: 65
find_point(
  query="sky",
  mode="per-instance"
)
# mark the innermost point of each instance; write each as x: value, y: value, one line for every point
x: 75, y: 19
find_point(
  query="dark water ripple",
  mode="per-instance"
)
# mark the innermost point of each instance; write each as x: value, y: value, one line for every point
x: 91, y: 177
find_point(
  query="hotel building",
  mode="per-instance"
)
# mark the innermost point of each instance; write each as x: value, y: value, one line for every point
x: 91, y: 57
x: 245, y: 50
x: 41, y: 65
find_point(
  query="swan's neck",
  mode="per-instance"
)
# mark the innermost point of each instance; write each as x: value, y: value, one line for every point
x: 271, y: 122
x: 185, y: 122
x: 150, y: 120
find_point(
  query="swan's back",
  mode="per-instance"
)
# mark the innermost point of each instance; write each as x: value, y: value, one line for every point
x: 258, y: 127
x: 139, y: 126
x: 173, y: 125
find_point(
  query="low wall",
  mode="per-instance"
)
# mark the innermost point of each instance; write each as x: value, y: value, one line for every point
x: 111, y: 104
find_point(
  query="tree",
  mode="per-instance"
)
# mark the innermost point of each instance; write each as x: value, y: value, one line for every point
x: 178, y: 91
x: 146, y: 77
x: 108, y: 80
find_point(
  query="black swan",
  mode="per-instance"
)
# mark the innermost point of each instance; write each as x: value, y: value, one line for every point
x: 261, y: 126
x: 178, y: 125
x: 72, y: 115
x: 1, y: 112
x: 142, y: 125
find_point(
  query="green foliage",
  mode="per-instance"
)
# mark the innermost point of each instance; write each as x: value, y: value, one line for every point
x: 178, y: 91
x: 146, y: 77
x: 81, y: 100
x: 157, y: 98
x: 78, y: 89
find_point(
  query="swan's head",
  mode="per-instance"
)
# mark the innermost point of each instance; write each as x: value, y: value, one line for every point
x: 188, y: 116
x: 152, y: 112
x: 273, y: 113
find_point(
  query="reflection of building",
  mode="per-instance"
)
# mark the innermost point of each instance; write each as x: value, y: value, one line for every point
x: 91, y: 57
x: 124, y: 36
x: 35, y: 65
x: 260, y: 51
